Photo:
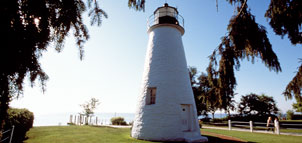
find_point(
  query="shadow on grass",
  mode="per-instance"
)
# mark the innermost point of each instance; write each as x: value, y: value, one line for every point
x: 213, y: 139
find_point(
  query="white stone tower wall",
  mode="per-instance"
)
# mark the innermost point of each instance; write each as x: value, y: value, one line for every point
x: 165, y: 69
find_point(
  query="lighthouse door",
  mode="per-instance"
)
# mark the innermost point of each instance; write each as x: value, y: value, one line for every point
x: 185, y: 117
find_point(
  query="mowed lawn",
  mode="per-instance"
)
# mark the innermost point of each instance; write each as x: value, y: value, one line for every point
x: 257, y: 137
x: 87, y: 134
x: 79, y: 134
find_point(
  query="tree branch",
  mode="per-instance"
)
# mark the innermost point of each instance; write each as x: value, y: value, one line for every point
x: 242, y: 6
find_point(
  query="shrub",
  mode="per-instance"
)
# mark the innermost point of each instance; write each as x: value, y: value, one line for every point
x: 247, y: 118
x: 289, y: 114
x: 200, y: 122
x: 297, y: 117
x: 205, y: 119
x: 220, y: 120
x: 131, y: 123
x: 118, y: 121
x: 22, y: 119
x: 71, y: 124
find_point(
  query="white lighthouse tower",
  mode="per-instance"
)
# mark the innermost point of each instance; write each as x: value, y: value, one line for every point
x: 166, y: 108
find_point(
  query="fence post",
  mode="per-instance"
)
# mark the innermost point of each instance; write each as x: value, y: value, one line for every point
x: 70, y: 119
x: 277, y: 127
x: 79, y: 120
x: 230, y: 124
x: 75, y: 119
x: 251, y: 126
x: 11, y: 134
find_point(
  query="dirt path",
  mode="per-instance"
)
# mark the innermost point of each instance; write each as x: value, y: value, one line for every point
x: 213, y: 138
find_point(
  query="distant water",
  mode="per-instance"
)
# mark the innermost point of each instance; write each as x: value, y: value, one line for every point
x: 216, y: 116
x: 63, y: 118
x: 103, y: 118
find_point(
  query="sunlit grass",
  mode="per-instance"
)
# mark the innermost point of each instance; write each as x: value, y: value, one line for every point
x: 88, y: 134
x: 257, y: 137
x: 79, y: 134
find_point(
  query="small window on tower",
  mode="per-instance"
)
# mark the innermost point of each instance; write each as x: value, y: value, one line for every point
x: 151, y: 95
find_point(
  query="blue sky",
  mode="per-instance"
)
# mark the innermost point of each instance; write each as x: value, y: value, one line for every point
x: 114, y: 58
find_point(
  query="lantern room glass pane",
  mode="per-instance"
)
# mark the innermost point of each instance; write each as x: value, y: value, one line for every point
x: 166, y: 15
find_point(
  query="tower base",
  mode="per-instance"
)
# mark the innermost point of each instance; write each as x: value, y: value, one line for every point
x: 188, y: 137
x: 195, y: 138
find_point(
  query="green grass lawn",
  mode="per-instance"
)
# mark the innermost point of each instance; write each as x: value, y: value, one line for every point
x: 291, y: 121
x: 291, y: 131
x: 257, y: 137
x: 80, y: 134
x: 260, y: 128
x: 88, y: 134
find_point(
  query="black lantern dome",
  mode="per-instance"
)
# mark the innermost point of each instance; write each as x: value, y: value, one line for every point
x: 166, y: 15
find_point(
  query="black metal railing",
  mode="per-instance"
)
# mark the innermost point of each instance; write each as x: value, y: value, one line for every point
x: 166, y: 18
x: 7, y: 135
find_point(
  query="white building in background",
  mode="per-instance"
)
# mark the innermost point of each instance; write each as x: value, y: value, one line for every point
x: 166, y: 108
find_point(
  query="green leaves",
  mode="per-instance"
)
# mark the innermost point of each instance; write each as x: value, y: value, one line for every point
x: 285, y: 17
x: 207, y: 93
x: 28, y: 26
x: 245, y: 40
x: 137, y: 4
x: 90, y: 106
x: 249, y: 40
x: 294, y: 87
x: 298, y: 106
x: 22, y: 119
x: 257, y: 104
x: 96, y: 14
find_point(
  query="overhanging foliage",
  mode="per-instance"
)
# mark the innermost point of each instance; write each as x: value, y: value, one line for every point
x: 28, y: 27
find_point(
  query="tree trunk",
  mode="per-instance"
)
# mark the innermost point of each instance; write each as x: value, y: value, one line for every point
x: 213, y: 115
x: 4, y: 101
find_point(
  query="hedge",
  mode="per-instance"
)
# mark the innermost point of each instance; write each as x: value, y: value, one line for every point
x: 22, y: 119
x: 118, y: 121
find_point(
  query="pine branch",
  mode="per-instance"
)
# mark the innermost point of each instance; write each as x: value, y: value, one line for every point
x: 242, y: 7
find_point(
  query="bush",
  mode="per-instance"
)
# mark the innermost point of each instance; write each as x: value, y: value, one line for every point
x: 297, y: 117
x: 254, y: 118
x: 131, y: 123
x: 205, y: 119
x: 22, y: 119
x: 289, y: 114
x: 118, y: 121
x: 220, y: 120
x: 200, y: 122
x: 71, y: 124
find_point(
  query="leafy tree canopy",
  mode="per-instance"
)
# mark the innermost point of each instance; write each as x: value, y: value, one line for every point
x: 298, y: 106
x: 90, y: 106
x: 294, y: 87
x: 29, y: 27
x: 246, y: 39
x: 285, y: 17
x: 253, y: 104
x: 206, y: 94
x: 200, y: 105
x: 289, y: 114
